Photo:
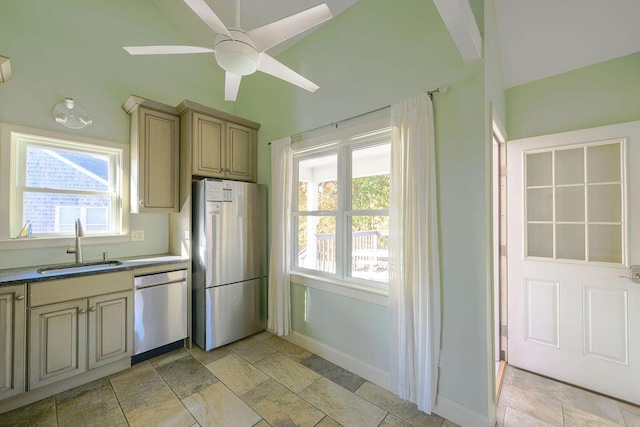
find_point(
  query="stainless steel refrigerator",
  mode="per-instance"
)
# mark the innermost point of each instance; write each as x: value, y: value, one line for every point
x: 229, y: 245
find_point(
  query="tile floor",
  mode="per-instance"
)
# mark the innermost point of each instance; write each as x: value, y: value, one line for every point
x: 259, y: 381
x: 527, y: 399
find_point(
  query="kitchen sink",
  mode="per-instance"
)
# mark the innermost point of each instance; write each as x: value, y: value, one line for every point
x: 78, y: 268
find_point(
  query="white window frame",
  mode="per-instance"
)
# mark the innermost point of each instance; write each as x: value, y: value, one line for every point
x: 342, y: 143
x: 10, y: 175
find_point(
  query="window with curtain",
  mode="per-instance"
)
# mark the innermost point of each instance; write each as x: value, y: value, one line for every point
x: 340, y: 209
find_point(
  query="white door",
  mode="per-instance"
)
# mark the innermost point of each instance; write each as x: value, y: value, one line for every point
x: 573, y: 231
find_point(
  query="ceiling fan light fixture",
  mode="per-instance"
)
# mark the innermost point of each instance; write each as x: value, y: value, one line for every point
x: 237, y: 56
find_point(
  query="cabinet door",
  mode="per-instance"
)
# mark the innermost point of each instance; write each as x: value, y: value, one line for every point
x: 110, y: 328
x: 208, y: 146
x: 12, y: 331
x: 240, y: 161
x: 58, y: 342
x: 158, y: 161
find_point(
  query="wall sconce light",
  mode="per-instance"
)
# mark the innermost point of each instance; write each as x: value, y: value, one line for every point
x: 71, y: 115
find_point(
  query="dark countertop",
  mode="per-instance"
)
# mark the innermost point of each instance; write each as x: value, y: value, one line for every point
x: 17, y: 276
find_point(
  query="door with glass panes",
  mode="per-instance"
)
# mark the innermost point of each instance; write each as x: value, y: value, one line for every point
x: 573, y: 232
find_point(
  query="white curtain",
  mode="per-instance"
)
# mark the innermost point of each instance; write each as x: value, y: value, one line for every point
x: 414, y: 289
x: 279, y: 321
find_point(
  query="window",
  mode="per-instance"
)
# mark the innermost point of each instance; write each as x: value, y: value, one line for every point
x: 575, y: 203
x: 54, y: 181
x: 341, y: 209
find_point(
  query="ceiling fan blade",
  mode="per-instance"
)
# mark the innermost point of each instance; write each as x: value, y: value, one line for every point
x: 269, y: 65
x: 205, y: 13
x: 165, y: 50
x: 269, y: 35
x: 231, y: 86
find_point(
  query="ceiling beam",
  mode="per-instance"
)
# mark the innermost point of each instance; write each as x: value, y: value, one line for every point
x: 462, y: 26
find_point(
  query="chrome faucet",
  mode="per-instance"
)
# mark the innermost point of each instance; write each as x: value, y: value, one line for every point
x: 78, y: 248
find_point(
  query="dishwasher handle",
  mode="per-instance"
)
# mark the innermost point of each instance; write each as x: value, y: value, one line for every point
x: 160, y: 278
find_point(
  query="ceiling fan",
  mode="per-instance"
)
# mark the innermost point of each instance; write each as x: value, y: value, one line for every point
x: 240, y: 52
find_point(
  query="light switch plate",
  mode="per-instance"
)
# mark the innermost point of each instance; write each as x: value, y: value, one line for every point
x: 137, y: 235
x: 635, y: 273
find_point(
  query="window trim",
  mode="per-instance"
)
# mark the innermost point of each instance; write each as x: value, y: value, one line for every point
x: 8, y: 176
x: 341, y: 143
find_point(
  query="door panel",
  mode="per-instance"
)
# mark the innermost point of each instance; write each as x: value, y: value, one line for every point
x: 572, y: 234
x: 58, y: 342
x: 110, y: 328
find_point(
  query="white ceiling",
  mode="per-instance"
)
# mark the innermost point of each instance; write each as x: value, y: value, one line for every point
x: 541, y: 38
x: 253, y: 14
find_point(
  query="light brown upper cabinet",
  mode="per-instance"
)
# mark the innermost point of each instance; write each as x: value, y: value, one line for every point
x: 217, y: 144
x: 155, y: 155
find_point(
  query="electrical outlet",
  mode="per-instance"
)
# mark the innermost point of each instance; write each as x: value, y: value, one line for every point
x: 635, y: 273
x: 137, y: 235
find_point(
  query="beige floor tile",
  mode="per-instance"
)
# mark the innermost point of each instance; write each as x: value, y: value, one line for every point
x: 328, y: 422
x: 140, y: 386
x: 508, y: 374
x: 261, y: 336
x: 285, y: 347
x: 598, y: 405
x: 163, y: 359
x: 92, y: 404
x: 501, y: 409
x: 280, y: 407
x: 403, y: 409
x: 262, y: 423
x: 216, y: 405
x: 342, y: 405
x: 290, y: 374
x: 532, y: 403
x: 514, y: 418
x: 574, y: 417
x: 41, y: 413
x: 251, y: 349
x: 186, y: 375
x: 147, y: 400
x: 448, y: 423
x: 392, y: 421
x: 630, y: 413
x: 237, y: 374
x: 171, y: 413
x: 206, y: 357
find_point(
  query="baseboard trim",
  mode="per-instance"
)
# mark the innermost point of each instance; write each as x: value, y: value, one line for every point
x: 344, y: 360
x: 459, y: 414
x: 444, y: 407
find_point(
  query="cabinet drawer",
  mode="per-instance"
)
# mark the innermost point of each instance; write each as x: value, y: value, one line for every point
x: 54, y: 291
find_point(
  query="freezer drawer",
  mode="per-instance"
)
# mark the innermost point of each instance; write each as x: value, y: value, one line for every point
x: 235, y: 311
x: 160, y: 315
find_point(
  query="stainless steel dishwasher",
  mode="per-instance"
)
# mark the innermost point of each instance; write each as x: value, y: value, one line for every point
x: 160, y: 313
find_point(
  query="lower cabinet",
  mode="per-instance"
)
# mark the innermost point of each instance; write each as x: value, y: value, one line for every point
x: 110, y: 328
x: 58, y: 334
x: 12, y: 340
x: 71, y: 337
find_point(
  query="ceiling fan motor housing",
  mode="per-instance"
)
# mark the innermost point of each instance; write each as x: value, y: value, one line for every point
x: 239, y: 55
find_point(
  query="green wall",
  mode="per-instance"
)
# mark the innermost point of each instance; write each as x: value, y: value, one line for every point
x: 73, y: 48
x: 373, y: 54
x: 597, y: 95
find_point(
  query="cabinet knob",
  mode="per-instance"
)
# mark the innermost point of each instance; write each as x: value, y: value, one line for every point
x: 83, y: 311
x: 141, y: 203
x: 94, y: 308
x: 19, y: 297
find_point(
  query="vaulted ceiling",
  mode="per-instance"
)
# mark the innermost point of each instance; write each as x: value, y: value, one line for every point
x: 538, y: 38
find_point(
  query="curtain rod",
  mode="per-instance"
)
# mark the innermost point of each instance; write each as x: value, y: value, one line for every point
x: 439, y: 89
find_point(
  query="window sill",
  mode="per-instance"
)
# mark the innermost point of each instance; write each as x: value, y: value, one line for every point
x: 54, y: 242
x: 341, y: 287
